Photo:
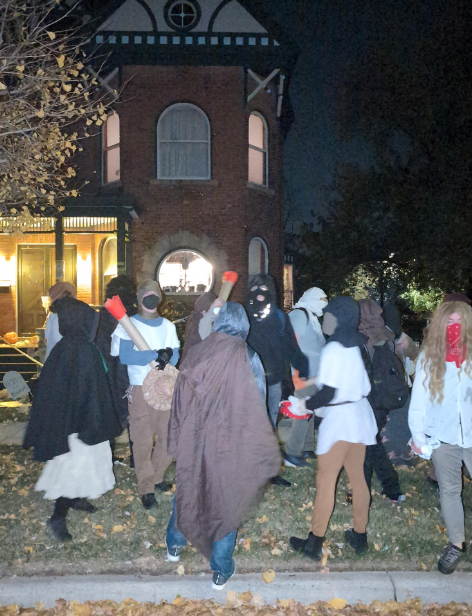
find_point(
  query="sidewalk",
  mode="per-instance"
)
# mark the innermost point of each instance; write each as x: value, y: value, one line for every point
x: 303, y: 587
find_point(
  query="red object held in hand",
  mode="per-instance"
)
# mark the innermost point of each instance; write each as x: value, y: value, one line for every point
x: 115, y: 307
x: 230, y: 277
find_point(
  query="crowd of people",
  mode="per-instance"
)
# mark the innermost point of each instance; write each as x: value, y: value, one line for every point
x: 345, y: 366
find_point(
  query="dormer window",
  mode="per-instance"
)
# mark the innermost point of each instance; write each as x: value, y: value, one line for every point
x: 182, y: 14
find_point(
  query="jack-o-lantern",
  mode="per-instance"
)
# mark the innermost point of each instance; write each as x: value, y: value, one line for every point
x: 11, y: 337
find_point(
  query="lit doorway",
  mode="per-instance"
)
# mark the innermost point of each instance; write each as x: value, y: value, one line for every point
x: 36, y: 267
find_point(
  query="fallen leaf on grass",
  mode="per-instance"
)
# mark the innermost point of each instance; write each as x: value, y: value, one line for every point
x: 80, y: 609
x: 180, y: 570
x: 285, y: 602
x: 263, y: 519
x: 152, y: 519
x: 424, y: 567
x: 324, y: 560
x: 179, y: 601
x: 247, y: 544
x: 411, y: 522
x: 118, y: 528
x: 337, y: 604
x: 276, y: 552
x: 415, y: 512
x: 377, y: 547
x: 29, y: 550
x: 441, y: 529
x: 268, y: 576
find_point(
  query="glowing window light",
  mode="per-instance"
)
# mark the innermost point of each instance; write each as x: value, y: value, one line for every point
x: 185, y: 272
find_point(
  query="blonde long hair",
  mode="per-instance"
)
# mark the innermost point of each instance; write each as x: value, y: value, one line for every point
x: 435, y: 345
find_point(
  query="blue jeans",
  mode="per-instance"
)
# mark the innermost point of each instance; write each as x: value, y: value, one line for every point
x: 222, y: 555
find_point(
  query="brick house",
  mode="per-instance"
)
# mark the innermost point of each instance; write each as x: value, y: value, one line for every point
x: 185, y: 176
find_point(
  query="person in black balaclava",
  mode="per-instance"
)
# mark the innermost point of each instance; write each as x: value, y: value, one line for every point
x: 348, y: 425
x: 272, y: 337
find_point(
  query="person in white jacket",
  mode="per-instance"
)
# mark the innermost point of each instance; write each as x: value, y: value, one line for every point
x: 440, y: 415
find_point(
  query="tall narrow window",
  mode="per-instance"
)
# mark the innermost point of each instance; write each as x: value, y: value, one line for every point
x: 111, y: 149
x: 258, y: 163
x: 183, y: 144
x: 258, y: 257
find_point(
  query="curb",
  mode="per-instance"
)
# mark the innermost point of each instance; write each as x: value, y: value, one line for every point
x: 303, y: 587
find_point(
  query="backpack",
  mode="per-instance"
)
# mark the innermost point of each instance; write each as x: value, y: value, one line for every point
x: 389, y: 386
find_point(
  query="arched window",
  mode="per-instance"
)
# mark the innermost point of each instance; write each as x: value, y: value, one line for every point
x: 183, y: 144
x: 258, y: 257
x: 108, y: 263
x: 111, y: 149
x: 185, y: 272
x: 258, y: 172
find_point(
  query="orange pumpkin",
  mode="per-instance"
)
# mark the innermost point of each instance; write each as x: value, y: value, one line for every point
x: 34, y: 339
x: 11, y: 337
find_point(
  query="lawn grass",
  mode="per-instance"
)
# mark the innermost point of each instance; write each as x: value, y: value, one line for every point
x: 123, y: 537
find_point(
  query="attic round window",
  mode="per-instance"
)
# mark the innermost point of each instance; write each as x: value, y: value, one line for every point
x: 182, y: 15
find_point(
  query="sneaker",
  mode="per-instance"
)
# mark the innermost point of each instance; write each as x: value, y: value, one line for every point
x: 357, y: 541
x: 82, y: 504
x: 219, y: 581
x: 280, y: 481
x: 396, y: 499
x: 450, y: 558
x: 164, y: 486
x: 58, y: 528
x: 309, y: 455
x: 311, y: 547
x: 294, y: 461
x: 149, y: 501
x: 173, y: 554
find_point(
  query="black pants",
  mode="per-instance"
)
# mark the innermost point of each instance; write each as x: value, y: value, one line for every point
x: 376, y: 459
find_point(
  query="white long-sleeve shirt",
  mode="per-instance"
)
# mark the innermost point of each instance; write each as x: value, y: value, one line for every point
x: 449, y: 422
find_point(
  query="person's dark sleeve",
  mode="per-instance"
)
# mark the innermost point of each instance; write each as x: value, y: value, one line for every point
x: 296, y: 357
x: 321, y: 398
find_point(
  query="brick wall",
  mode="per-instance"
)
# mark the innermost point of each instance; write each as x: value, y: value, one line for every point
x: 225, y: 208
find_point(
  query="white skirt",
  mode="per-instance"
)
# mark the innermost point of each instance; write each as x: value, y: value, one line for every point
x: 86, y: 471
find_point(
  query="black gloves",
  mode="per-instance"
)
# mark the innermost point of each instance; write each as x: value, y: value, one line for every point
x: 163, y: 357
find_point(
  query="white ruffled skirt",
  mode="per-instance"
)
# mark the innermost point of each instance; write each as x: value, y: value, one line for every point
x: 86, y: 471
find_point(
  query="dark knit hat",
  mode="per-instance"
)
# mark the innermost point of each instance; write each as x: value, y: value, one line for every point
x: 458, y: 297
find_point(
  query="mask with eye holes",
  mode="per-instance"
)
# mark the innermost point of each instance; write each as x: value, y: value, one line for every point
x: 149, y: 296
x: 261, y: 298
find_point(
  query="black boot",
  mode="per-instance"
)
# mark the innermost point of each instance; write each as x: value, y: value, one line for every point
x: 357, y: 541
x: 164, y: 486
x: 311, y: 547
x: 57, y: 522
x: 82, y: 504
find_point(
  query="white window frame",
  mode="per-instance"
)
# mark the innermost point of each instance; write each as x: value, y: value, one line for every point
x: 262, y: 245
x: 106, y: 149
x: 207, y: 141
x: 264, y: 150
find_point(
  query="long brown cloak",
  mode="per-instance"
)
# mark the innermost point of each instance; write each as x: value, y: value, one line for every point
x: 222, y: 441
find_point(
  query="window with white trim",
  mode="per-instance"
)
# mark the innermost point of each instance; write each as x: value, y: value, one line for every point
x: 258, y: 168
x: 183, y: 144
x: 258, y: 257
x: 111, y: 149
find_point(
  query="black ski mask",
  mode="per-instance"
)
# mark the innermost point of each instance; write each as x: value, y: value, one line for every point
x: 261, y: 298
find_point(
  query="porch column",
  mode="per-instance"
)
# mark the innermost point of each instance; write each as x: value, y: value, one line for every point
x: 120, y: 242
x: 59, y: 237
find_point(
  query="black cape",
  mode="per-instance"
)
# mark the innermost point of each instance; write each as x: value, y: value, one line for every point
x: 117, y: 372
x: 73, y: 393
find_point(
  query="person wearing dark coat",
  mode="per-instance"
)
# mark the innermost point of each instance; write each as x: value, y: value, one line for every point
x: 192, y: 336
x: 73, y: 418
x: 222, y: 441
x: 272, y: 337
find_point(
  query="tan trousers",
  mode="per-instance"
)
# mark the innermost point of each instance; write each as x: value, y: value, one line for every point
x: 148, y: 433
x: 350, y: 456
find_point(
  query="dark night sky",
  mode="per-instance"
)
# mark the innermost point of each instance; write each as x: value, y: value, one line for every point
x: 331, y: 34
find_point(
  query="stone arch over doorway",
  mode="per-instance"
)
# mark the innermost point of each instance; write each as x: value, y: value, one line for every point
x: 167, y: 244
